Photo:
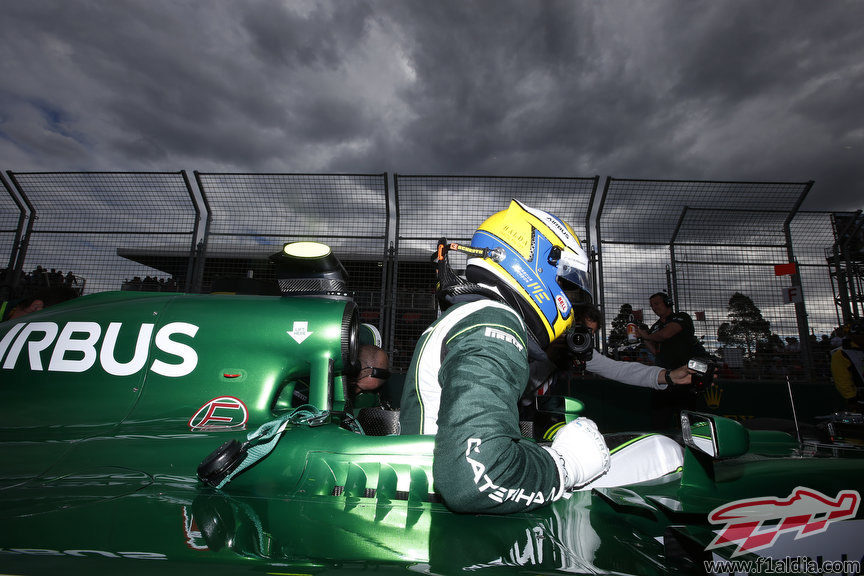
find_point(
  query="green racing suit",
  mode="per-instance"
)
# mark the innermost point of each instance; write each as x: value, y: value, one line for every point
x: 467, y: 374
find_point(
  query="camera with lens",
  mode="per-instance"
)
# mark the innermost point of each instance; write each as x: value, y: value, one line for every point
x: 580, y: 342
x: 704, y: 370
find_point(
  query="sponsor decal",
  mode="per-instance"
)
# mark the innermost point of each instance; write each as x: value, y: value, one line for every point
x: 517, y: 238
x: 561, y: 302
x: 538, y: 292
x: 300, y: 332
x: 502, y: 335
x: 556, y: 226
x: 499, y: 494
x: 224, y: 412
x: 755, y: 523
x: 522, y: 275
x: 468, y: 249
x: 76, y: 348
x: 712, y: 395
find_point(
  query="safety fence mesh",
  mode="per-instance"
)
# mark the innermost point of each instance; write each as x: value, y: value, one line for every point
x: 98, y: 231
x: 703, y: 242
x: 700, y: 241
x: 253, y: 215
x: 12, y: 216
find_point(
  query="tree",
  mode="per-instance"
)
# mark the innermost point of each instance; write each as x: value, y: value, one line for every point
x: 746, y: 324
x: 618, y: 335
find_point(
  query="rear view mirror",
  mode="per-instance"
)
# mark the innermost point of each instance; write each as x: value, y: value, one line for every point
x: 563, y: 405
x: 553, y: 412
x: 713, y: 435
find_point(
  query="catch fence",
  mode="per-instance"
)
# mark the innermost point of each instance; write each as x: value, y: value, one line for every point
x: 701, y: 241
x: 251, y: 216
x: 98, y: 231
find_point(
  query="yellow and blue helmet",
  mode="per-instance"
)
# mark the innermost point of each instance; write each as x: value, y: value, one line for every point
x: 537, y: 263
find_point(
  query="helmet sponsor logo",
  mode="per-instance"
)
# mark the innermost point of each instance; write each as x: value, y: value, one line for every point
x: 562, y: 304
x: 517, y: 238
x: 538, y: 292
x: 558, y: 228
x: 220, y: 413
x: 755, y: 523
x: 77, y: 348
x: 505, y: 336
x: 521, y: 274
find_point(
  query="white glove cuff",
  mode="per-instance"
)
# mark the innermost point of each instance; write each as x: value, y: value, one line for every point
x: 562, y: 471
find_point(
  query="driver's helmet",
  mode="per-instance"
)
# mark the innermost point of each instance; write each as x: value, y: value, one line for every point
x: 537, y: 264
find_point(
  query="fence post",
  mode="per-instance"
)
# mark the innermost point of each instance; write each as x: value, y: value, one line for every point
x: 800, y: 307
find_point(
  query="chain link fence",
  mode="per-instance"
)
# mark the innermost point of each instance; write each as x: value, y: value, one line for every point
x: 12, y: 219
x: 251, y: 216
x: 700, y: 241
x: 98, y: 231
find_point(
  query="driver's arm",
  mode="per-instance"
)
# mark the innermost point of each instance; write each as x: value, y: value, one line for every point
x: 481, y: 463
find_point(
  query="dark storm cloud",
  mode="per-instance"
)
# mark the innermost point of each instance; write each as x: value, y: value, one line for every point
x: 729, y: 90
x: 317, y: 38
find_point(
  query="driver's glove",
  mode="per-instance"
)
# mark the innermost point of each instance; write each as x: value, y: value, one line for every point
x: 580, y: 453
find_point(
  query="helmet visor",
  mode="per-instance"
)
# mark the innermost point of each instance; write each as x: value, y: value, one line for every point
x: 572, y: 277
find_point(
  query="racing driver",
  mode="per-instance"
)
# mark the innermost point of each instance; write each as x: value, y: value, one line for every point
x: 471, y: 366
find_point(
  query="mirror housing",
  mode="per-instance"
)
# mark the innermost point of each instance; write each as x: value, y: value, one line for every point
x: 553, y: 412
x: 560, y: 405
x: 714, y: 435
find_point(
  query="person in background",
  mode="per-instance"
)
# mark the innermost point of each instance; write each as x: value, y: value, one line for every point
x: 847, y: 366
x: 631, y: 373
x: 374, y: 369
x: 672, y: 337
x: 673, y: 342
x: 374, y: 366
x: 41, y: 300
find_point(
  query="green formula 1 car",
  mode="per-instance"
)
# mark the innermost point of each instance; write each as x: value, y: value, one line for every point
x: 110, y: 403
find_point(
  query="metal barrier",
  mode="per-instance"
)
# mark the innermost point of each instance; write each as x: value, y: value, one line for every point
x: 12, y: 220
x: 701, y: 241
x: 846, y: 259
x: 107, y: 230
x: 251, y: 216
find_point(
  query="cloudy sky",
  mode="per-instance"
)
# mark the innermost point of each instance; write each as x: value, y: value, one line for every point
x: 720, y: 89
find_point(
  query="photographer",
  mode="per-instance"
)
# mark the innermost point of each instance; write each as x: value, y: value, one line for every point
x: 632, y: 373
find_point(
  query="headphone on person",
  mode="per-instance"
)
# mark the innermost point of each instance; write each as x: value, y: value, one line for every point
x: 667, y: 299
